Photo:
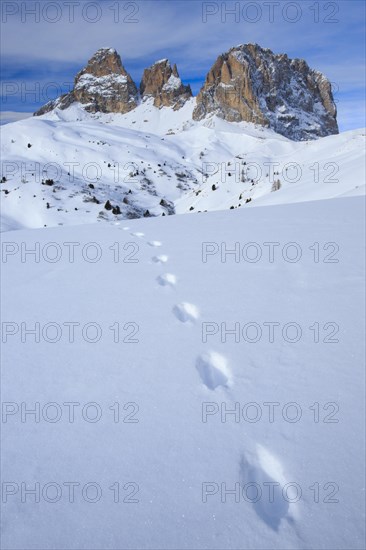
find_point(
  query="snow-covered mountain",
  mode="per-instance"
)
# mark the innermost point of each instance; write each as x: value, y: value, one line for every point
x: 253, y: 84
x: 105, y: 86
x: 185, y: 381
x: 156, y: 161
x: 108, y: 150
x: 247, y: 83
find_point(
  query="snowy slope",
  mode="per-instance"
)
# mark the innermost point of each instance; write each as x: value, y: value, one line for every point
x: 148, y: 155
x: 173, y: 468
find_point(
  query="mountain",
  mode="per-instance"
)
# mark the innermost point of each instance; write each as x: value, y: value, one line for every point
x: 162, y: 82
x: 103, y: 86
x: 107, y: 151
x: 252, y: 84
x: 150, y: 161
x: 248, y: 83
x: 180, y: 382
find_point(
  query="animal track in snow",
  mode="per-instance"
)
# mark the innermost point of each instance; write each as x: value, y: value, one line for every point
x: 154, y: 243
x: 266, y: 471
x: 213, y: 370
x: 168, y: 279
x: 186, y: 312
x: 162, y: 259
x: 138, y: 234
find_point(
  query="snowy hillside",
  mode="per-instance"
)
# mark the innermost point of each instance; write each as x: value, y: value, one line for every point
x: 156, y: 425
x: 154, y: 161
x: 182, y: 381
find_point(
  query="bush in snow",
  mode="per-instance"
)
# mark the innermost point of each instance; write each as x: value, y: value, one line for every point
x: 276, y: 185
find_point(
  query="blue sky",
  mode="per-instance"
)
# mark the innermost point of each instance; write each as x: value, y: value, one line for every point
x: 42, y: 51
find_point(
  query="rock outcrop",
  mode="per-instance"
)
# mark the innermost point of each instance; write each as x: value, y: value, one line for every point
x: 103, y: 85
x: 162, y: 82
x: 252, y: 84
x: 247, y: 83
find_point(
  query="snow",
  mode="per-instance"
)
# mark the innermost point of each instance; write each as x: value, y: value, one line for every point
x: 105, y: 50
x: 183, y: 466
x: 11, y: 116
x: 192, y: 381
x: 104, y: 85
x: 160, y: 61
x: 106, y: 150
x: 173, y: 83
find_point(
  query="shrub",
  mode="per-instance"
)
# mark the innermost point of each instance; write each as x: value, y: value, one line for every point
x: 276, y: 185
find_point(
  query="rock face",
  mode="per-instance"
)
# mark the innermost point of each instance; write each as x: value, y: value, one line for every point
x: 103, y: 85
x: 162, y: 82
x: 252, y: 84
x: 247, y: 83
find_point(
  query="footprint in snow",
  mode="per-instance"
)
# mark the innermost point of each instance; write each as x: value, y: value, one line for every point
x: 168, y: 279
x: 213, y: 370
x: 138, y: 234
x: 266, y: 471
x: 155, y: 243
x: 186, y: 312
x: 162, y: 259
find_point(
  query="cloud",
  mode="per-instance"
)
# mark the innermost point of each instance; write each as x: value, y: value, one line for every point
x: 12, y: 116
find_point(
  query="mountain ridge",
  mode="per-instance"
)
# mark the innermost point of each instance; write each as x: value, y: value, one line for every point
x: 248, y: 83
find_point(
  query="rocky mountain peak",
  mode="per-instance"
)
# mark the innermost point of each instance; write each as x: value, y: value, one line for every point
x: 104, y: 62
x: 252, y: 84
x: 247, y: 83
x: 103, y: 85
x: 162, y: 82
